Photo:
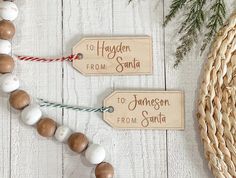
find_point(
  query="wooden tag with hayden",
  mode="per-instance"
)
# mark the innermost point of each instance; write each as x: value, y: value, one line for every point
x: 145, y: 110
x: 114, y: 56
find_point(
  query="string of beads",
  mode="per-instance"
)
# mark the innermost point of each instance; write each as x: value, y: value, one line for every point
x: 30, y: 113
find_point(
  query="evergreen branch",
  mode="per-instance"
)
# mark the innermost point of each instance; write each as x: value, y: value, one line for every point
x: 193, y: 23
x: 190, y: 27
x: 187, y: 42
x: 195, y: 16
x: 215, y: 21
x: 175, y: 6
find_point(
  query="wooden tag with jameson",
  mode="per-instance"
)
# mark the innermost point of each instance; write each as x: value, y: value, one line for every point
x: 145, y: 110
x: 114, y: 56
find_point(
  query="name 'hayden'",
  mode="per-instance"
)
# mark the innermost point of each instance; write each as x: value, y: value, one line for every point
x: 115, y: 52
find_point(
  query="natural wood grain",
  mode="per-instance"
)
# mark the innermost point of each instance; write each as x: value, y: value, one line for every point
x: 185, y: 150
x: 146, y: 149
x: 39, y: 34
x: 132, y: 110
x: 48, y: 28
x: 5, y: 141
x: 132, y: 55
x: 86, y: 18
x: 5, y: 136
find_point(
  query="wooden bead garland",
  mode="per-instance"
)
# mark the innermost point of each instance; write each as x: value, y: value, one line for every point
x: 19, y: 99
x: 95, y: 154
x: 104, y: 170
x: 31, y: 114
x: 5, y: 47
x: 9, y: 10
x: 6, y: 62
x: 7, y: 30
x: 63, y: 133
x: 78, y: 142
x: 46, y: 127
x: 9, y: 83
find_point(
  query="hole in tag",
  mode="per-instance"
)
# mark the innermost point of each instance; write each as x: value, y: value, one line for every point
x: 80, y: 56
x: 111, y: 109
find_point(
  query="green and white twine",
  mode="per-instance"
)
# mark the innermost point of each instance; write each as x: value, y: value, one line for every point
x: 44, y: 103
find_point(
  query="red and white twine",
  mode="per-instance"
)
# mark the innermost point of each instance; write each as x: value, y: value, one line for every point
x: 70, y: 58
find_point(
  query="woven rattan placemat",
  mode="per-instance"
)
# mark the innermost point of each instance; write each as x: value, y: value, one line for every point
x: 217, y: 103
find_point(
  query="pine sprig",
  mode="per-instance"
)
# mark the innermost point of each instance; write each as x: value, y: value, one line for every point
x: 193, y: 23
x: 215, y: 21
x: 175, y: 6
x: 190, y: 27
x: 187, y: 41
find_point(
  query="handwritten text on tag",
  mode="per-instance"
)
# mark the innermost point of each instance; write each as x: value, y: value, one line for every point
x: 114, y: 56
x: 145, y: 110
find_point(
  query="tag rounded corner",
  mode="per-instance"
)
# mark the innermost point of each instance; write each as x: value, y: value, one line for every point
x: 146, y: 110
x: 116, y: 55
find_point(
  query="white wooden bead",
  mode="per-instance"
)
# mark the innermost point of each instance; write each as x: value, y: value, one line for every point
x: 5, y: 47
x: 9, y: 83
x: 62, y: 133
x: 8, y: 10
x: 95, y: 154
x: 31, y: 114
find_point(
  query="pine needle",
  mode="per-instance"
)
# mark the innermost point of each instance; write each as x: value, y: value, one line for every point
x: 193, y: 23
x: 215, y: 21
x: 190, y: 27
x: 175, y: 6
x: 187, y: 42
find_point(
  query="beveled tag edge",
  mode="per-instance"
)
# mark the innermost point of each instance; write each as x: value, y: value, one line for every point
x: 180, y: 128
x: 118, y: 37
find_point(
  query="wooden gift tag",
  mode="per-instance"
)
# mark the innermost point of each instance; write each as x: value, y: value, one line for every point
x: 145, y: 110
x: 114, y: 56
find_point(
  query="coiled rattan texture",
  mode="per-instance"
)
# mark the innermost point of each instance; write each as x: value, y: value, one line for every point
x: 217, y: 103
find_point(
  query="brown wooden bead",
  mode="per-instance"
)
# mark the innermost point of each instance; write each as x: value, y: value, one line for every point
x: 78, y: 142
x: 19, y: 99
x: 46, y: 127
x: 6, y: 63
x: 104, y: 170
x: 7, y: 30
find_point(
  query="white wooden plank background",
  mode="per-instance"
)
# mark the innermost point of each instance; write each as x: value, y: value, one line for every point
x: 51, y: 28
